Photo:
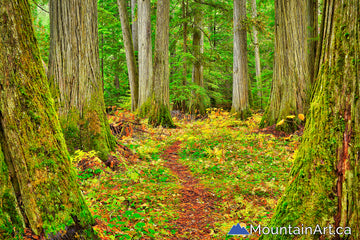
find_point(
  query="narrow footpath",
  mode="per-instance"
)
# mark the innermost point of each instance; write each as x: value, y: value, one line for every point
x: 197, y: 205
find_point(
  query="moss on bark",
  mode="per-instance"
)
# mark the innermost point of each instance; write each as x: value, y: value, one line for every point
x: 295, y: 46
x: 324, y: 183
x: 74, y: 76
x: 11, y: 222
x: 158, y: 113
x: 242, y: 114
x: 38, y: 184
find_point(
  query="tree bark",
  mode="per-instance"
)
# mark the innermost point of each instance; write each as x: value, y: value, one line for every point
x: 38, y: 188
x: 160, y: 114
x: 185, y: 5
x: 295, y: 47
x: 197, y: 101
x: 145, y: 54
x: 324, y: 186
x: 240, y: 103
x: 134, y: 25
x: 257, y: 54
x: 130, y: 55
x: 74, y: 75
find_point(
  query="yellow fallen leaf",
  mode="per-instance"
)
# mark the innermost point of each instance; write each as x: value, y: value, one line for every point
x: 301, y: 117
x: 280, y: 123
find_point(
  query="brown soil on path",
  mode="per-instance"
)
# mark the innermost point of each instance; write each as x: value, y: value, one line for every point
x: 196, y: 203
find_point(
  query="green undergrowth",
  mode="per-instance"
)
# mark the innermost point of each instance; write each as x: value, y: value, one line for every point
x: 246, y: 170
x: 135, y: 200
x: 139, y: 198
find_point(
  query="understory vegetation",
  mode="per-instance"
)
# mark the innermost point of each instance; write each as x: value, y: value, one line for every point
x: 134, y: 195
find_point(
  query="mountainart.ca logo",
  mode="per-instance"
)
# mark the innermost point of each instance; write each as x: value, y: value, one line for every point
x: 240, y: 229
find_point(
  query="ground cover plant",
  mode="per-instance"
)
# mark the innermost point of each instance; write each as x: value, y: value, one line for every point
x: 236, y: 173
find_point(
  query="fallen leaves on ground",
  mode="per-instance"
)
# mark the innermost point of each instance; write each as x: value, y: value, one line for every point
x: 224, y: 171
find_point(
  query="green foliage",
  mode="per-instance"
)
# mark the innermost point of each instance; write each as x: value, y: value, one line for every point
x: 216, y: 58
x: 135, y: 201
x: 41, y: 22
x: 246, y: 171
x: 112, y: 54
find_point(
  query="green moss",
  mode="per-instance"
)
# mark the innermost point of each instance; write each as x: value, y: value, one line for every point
x: 11, y: 222
x: 160, y: 116
x: 145, y: 109
x: 242, y: 114
x: 90, y: 132
x: 158, y: 113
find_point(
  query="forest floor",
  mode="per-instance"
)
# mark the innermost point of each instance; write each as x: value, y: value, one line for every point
x: 192, y: 182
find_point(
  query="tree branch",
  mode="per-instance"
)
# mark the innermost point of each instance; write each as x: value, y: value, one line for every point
x: 40, y: 7
x: 212, y: 4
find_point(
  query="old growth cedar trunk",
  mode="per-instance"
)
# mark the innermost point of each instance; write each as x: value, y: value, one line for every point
x: 324, y: 185
x: 257, y: 54
x: 184, y: 7
x: 160, y: 114
x: 240, y: 102
x: 134, y: 25
x: 295, y: 47
x: 74, y: 75
x: 145, y: 55
x: 130, y: 54
x: 197, y: 103
x: 38, y: 188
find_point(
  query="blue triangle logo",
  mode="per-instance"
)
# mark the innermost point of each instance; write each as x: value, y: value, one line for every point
x: 238, y: 230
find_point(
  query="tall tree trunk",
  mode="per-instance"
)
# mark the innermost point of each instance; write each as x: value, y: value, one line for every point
x: 295, y: 31
x: 134, y: 25
x: 102, y: 61
x: 38, y: 188
x: 324, y: 186
x: 197, y: 102
x: 160, y: 114
x: 74, y: 75
x: 185, y: 5
x: 145, y: 54
x: 257, y: 54
x: 240, y: 103
x: 130, y: 54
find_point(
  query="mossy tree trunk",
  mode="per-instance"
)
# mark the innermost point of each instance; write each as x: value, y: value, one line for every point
x: 130, y: 54
x: 74, y: 76
x: 38, y: 188
x: 295, y: 47
x: 145, y: 55
x: 324, y: 185
x: 159, y: 113
x: 240, y: 101
x: 197, y: 102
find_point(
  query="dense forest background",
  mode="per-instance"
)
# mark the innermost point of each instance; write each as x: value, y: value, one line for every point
x: 216, y: 55
x: 258, y: 104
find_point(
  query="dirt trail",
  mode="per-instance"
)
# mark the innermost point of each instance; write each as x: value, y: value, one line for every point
x: 196, y: 204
